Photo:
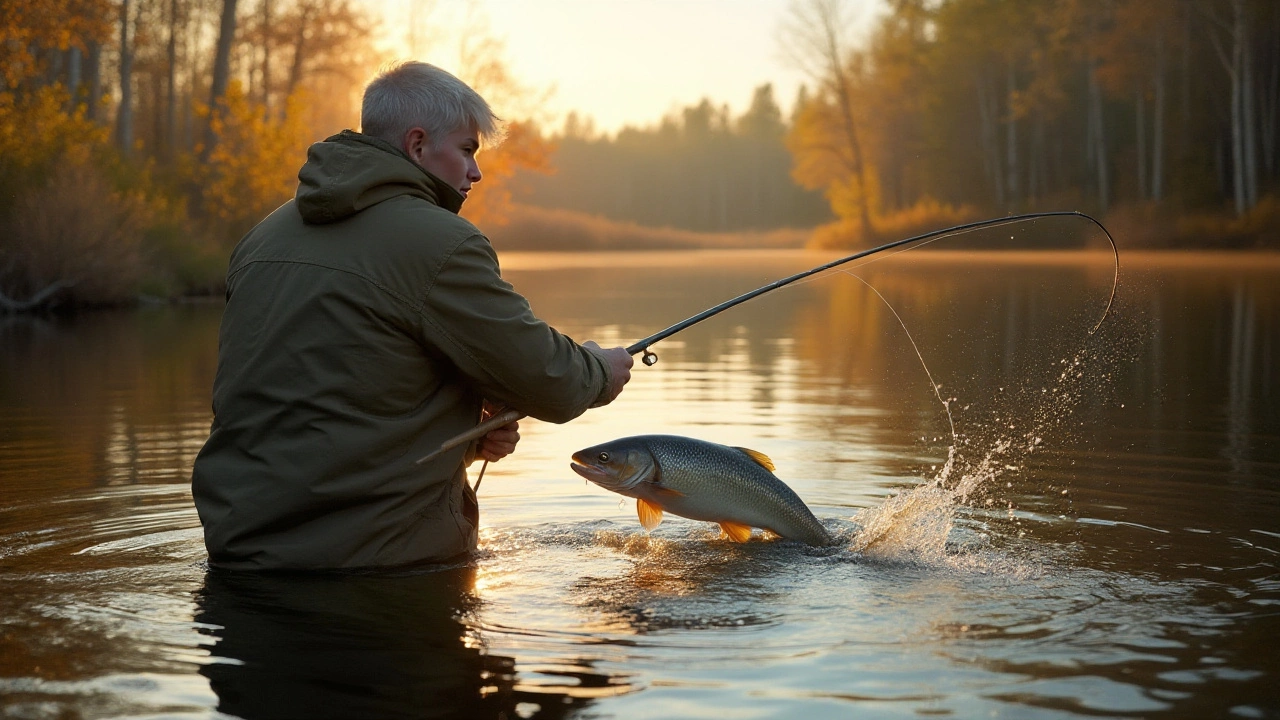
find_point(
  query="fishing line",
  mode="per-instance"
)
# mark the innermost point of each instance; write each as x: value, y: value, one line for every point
x: 946, y: 405
x: 649, y: 358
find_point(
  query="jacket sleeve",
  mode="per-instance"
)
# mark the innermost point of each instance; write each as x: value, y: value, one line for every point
x: 489, y: 332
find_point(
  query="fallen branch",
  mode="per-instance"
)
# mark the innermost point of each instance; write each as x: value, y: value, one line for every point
x: 9, y: 305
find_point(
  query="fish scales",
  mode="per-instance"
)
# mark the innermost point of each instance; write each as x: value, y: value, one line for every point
x: 701, y: 481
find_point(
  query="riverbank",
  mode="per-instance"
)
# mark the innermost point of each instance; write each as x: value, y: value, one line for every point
x: 168, y: 266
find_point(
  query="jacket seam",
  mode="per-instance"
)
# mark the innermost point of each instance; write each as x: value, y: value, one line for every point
x: 381, y: 286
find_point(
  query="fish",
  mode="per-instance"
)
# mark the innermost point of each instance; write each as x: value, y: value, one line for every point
x: 701, y: 480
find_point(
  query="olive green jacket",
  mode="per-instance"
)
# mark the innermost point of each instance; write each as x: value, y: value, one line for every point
x: 365, y: 322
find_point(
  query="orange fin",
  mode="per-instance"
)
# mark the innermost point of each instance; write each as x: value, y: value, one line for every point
x: 761, y: 459
x: 650, y: 514
x: 737, y: 532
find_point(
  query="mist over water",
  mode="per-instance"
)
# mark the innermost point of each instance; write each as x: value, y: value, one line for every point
x: 1098, y: 537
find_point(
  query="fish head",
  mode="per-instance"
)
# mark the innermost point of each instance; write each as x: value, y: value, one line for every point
x: 620, y: 465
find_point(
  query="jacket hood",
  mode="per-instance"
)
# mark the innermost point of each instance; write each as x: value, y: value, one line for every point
x: 349, y: 172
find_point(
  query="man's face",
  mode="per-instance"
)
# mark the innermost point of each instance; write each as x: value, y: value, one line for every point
x: 453, y: 160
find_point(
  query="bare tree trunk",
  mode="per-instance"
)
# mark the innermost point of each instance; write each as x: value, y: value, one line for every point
x: 1249, y: 126
x: 1097, y: 134
x: 299, y: 49
x: 124, y: 113
x: 1270, y: 100
x: 73, y: 74
x: 53, y: 64
x: 1237, y: 121
x: 1140, y: 130
x: 171, y: 95
x: 1011, y: 137
x: 991, y: 161
x: 844, y: 93
x: 221, y: 72
x: 95, y: 81
x: 1037, y: 170
x: 1184, y: 139
x: 1157, y: 130
x: 266, y: 57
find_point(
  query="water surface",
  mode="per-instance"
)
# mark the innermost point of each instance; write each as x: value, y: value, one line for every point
x: 1103, y: 543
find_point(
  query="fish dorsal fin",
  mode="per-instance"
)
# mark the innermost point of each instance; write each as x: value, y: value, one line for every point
x: 737, y: 532
x: 760, y: 458
x: 650, y: 514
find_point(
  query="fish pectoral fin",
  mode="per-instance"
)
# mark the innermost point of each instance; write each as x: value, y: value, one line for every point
x: 737, y: 532
x: 650, y: 514
x: 760, y: 458
x: 670, y: 492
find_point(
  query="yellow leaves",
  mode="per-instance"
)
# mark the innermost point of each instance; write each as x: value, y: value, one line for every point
x: 36, y: 132
x: 253, y: 167
x: 823, y: 159
x: 819, y: 153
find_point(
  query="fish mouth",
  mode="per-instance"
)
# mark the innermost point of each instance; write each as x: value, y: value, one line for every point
x: 590, y: 472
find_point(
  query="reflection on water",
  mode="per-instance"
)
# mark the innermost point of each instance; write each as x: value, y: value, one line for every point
x: 392, y: 647
x: 1104, y: 541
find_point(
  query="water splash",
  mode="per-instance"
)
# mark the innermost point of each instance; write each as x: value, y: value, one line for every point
x: 916, y: 524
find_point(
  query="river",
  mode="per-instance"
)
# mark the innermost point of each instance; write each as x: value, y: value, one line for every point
x: 1073, y: 525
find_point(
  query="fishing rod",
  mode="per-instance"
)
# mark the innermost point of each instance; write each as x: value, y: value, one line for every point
x: 648, y: 357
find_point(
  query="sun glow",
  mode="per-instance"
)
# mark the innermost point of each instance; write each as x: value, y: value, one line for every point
x: 618, y: 63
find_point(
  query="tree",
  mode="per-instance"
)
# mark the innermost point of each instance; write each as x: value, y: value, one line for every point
x: 221, y: 73
x: 1133, y: 64
x: 816, y: 36
x: 1231, y: 35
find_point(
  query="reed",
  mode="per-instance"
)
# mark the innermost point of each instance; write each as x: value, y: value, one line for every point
x: 535, y: 228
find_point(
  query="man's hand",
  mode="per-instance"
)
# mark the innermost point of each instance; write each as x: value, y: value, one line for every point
x: 497, y: 444
x: 619, y: 362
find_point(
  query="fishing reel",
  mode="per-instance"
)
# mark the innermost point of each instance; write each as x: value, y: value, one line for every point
x: 649, y: 358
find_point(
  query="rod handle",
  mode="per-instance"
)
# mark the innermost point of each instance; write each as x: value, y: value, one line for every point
x: 480, y: 430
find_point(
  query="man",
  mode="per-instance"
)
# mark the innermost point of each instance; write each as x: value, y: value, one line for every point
x: 365, y: 324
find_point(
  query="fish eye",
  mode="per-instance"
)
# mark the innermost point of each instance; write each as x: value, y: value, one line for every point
x: 603, y: 457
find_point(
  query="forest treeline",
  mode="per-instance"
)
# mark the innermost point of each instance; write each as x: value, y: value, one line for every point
x: 699, y: 169
x: 1159, y: 115
x: 139, y: 139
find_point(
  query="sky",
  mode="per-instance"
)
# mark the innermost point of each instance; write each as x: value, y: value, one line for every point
x: 623, y: 62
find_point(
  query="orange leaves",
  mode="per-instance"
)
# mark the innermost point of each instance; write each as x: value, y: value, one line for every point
x: 254, y: 166
x: 524, y: 148
x: 27, y: 26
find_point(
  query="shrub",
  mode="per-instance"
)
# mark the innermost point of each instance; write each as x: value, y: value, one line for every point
x: 73, y: 240
x: 925, y: 216
x: 1258, y: 228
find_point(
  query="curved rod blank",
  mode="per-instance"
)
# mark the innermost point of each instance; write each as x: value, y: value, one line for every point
x: 642, y: 346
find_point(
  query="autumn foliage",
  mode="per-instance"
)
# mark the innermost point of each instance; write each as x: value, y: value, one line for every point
x: 126, y: 169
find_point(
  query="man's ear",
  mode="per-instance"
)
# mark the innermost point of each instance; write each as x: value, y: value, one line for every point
x: 415, y: 144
